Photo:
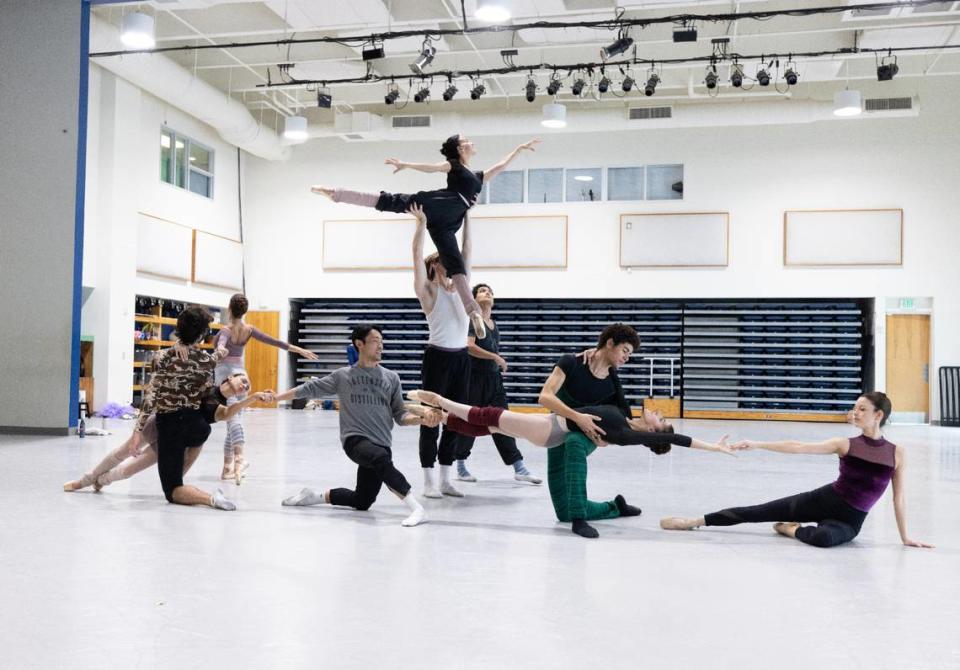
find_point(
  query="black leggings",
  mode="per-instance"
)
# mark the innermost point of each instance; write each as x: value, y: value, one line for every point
x: 486, y: 390
x: 447, y: 373
x: 837, y: 521
x: 444, y: 211
x: 376, y: 468
x: 176, y: 431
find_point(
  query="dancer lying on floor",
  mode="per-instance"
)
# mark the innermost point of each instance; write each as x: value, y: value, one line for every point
x: 868, y: 463
x: 444, y: 208
x: 139, y: 452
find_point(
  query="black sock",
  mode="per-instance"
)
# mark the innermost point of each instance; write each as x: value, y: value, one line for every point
x: 625, y: 509
x: 583, y: 529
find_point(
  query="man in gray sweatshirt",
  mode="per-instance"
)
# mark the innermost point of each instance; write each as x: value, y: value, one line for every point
x: 371, y: 400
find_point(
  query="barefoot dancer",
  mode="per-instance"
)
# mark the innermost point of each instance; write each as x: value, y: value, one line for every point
x: 445, y: 209
x: 868, y: 463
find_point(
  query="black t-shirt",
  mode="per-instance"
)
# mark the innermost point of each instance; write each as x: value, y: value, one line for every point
x: 489, y: 343
x: 209, y: 402
x: 463, y: 181
x: 580, y: 388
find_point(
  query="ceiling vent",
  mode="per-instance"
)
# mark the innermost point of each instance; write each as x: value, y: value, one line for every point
x: 422, y: 121
x: 643, y: 113
x: 888, y: 104
x: 358, y: 126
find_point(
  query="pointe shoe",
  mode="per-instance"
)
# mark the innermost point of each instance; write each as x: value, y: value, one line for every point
x: 319, y: 189
x: 72, y: 486
x: 677, y: 523
x: 228, y: 473
x: 784, y: 528
x: 427, y: 398
x: 479, y: 327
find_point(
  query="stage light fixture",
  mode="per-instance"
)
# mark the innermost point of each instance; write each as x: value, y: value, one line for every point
x: 449, y: 92
x: 622, y: 43
x: 392, y: 94
x: 422, y: 94
x: 684, y: 33
x: 373, y: 52
x: 710, y: 79
x: 477, y: 91
x: 887, y: 69
x: 736, y: 75
x: 604, y: 84
x: 791, y: 76
x: 651, y: 87
x: 577, y: 87
x: 627, y: 83
x: 763, y: 76
x: 554, y: 86
x: 427, y: 53
x: 324, y: 99
x: 531, y: 89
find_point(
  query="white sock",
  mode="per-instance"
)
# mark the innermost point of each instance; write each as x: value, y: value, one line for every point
x: 305, y: 497
x: 446, y: 488
x: 417, y: 514
x: 429, y: 487
x: 220, y: 501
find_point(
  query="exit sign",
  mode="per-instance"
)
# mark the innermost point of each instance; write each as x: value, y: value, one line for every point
x: 906, y: 303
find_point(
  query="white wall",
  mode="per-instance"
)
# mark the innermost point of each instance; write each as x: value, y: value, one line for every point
x: 124, y: 180
x: 754, y: 173
x: 40, y: 77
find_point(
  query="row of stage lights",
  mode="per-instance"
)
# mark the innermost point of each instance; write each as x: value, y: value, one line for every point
x: 766, y: 73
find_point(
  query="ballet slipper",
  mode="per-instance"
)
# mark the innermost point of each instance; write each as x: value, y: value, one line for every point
x: 479, y: 327
x: 427, y: 398
x: 71, y: 486
x: 677, y: 523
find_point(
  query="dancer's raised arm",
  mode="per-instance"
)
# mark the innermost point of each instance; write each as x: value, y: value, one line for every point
x: 421, y: 167
x: 421, y: 283
x: 497, y: 168
x: 466, y: 246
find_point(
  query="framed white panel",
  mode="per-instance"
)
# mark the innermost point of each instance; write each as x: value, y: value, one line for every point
x: 843, y: 237
x: 697, y: 239
x: 519, y: 241
x: 164, y: 248
x: 217, y: 261
x: 535, y: 242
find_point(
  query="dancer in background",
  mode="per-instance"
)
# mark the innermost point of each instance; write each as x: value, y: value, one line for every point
x: 371, y: 400
x: 444, y: 209
x: 139, y: 451
x: 234, y: 335
x: 868, y: 463
x: 486, y: 389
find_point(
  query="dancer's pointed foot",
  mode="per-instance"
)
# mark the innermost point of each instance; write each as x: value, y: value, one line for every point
x: 678, y: 523
x: 625, y: 508
x: 74, y: 485
x: 428, y: 398
x: 322, y: 190
x: 479, y: 327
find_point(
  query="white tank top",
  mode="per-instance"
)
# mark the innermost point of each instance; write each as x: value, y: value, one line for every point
x: 447, y: 321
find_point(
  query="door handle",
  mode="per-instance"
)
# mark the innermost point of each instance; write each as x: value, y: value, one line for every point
x: 926, y: 373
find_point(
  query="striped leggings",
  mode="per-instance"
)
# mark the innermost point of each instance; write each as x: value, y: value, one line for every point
x: 234, y: 436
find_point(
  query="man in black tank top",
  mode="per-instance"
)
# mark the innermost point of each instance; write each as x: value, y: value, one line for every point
x: 486, y: 390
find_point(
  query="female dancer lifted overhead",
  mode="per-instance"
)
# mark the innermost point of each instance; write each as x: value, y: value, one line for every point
x: 868, y: 463
x: 444, y: 208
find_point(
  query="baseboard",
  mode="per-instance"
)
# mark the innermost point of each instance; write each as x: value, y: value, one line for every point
x: 31, y: 430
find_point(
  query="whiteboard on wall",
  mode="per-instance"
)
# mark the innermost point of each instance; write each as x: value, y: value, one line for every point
x: 694, y: 239
x: 498, y: 242
x: 164, y: 248
x: 217, y: 261
x: 843, y: 237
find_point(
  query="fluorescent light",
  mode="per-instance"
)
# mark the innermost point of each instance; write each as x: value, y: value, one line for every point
x: 492, y: 11
x: 137, y: 31
x: 554, y: 115
x: 583, y: 177
x: 295, y: 128
x: 846, y: 103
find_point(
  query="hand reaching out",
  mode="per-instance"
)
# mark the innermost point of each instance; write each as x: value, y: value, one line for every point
x: 722, y: 446
x: 530, y: 145
x: 303, y: 353
x: 396, y: 163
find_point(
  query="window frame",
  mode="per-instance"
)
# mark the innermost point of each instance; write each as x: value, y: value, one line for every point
x: 189, y: 169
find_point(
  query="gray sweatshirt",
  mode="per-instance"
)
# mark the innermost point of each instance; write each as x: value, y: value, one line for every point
x: 370, y: 400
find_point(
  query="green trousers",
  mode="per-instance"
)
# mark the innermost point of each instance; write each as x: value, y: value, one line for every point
x: 567, y: 479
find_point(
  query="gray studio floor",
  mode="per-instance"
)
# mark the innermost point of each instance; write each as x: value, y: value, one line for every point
x: 122, y: 579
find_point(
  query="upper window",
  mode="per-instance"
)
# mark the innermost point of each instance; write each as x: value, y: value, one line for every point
x: 584, y: 184
x: 506, y: 187
x: 186, y: 163
x: 545, y: 185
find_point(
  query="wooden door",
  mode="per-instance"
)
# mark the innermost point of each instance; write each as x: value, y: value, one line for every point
x: 261, y: 360
x: 908, y: 364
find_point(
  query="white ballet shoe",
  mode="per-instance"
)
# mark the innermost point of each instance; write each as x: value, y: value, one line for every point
x: 446, y: 488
